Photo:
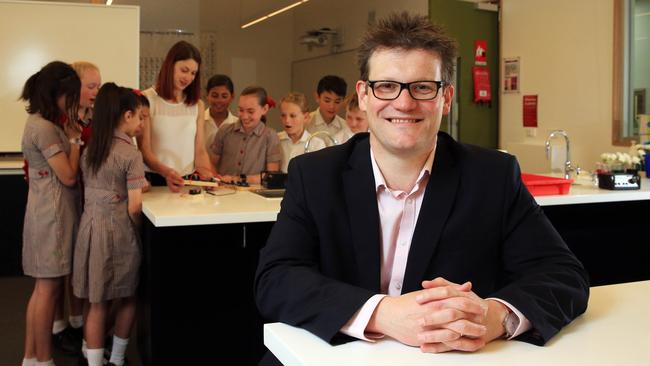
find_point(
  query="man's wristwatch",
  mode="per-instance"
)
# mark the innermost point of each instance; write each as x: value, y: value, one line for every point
x: 510, y: 324
x: 77, y: 141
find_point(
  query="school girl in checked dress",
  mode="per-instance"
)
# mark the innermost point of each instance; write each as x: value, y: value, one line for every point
x: 51, y: 150
x: 107, y: 251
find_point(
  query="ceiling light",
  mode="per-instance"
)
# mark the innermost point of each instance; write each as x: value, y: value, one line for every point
x: 109, y: 2
x: 273, y: 13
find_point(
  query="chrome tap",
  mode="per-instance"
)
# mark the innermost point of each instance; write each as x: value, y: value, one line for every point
x: 568, y: 166
x: 325, y: 133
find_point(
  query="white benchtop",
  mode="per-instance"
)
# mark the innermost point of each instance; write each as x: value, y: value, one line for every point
x: 586, y: 192
x: 164, y: 208
x: 613, y: 331
x: 11, y: 165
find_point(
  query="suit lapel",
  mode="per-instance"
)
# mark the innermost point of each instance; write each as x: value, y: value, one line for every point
x: 361, y: 202
x: 436, y: 207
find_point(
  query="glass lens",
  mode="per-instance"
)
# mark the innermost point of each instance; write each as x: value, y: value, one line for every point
x: 389, y: 90
x: 386, y: 89
x: 423, y: 90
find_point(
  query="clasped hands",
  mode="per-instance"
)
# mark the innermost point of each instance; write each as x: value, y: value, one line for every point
x: 441, y: 317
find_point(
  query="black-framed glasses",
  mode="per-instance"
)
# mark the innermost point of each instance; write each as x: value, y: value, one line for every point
x: 419, y: 90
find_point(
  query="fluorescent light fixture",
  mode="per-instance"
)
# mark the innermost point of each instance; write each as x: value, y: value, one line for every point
x: 109, y: 2
x: 262, y: 18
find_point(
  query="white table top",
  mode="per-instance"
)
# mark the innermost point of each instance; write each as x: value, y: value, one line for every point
x: 613, y: 331
x: 164, y: 208
x: 11, y: 165
x: 586, y: 192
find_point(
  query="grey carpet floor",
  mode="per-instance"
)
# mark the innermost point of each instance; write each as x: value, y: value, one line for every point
x: 14, y: 294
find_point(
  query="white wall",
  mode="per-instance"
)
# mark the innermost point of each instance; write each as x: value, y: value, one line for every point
x: 158, y: 15
x: 566, y: 58
x: 263, y: 54
x: 164, y: 15
x: 260, y: 54
x: 350, y: 19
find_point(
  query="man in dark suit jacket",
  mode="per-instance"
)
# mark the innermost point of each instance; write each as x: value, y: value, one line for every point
x: 406, y: 233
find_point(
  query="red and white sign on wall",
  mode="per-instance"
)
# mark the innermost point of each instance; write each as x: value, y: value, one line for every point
x: 530, y: 110
x: 480, y: 52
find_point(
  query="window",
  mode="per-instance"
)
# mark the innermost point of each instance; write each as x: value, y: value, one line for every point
x: 631, y: 68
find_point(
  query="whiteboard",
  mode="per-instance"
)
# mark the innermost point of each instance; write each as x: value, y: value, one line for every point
x: 35, y: 33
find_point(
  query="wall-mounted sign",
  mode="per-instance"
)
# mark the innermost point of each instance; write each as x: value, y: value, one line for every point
x: 511, y: 79
x: 530, y: 110
x: 480, y: 52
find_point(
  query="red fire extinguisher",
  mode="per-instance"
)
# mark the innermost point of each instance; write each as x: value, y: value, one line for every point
x: 482, y: 91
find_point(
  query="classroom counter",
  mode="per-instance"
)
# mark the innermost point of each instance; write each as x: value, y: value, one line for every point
x: 588, y: 218
x: 199, y: 259
x: 586, y: 192
x: 13, y: 202
x: 613, y: 331
x: 163, y: 208
x: 228, y: 206
x: 197, y: 247
x: 11, y: 165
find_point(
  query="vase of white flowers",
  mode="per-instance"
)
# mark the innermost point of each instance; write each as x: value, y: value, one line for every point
x: 618, y: 162
x: 621, y: 170
x: 643, y: 152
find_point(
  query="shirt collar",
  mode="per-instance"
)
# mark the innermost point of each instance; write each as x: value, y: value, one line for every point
x: 380, y: 181
x: 208, y: 117
x: 122, y: 136
x: 283, y: 135
x: 318, y: 119
x: 305, y: 136
x: 257, y: 130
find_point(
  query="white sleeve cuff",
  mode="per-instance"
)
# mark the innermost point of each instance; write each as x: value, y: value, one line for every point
x: 356, y: 326
x: 524, y: 323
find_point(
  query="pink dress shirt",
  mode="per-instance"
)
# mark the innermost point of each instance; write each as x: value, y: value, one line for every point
x: 398, y: 214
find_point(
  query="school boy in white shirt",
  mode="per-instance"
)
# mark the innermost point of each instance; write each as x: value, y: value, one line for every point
x: 294, y: 114
x: 330, y: 94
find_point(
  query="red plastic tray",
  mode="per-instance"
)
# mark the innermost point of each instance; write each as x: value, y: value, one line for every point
x: 541, y: 185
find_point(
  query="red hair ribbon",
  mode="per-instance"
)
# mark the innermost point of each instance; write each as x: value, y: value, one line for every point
x: 270, y: 101
x: 137, y: 92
